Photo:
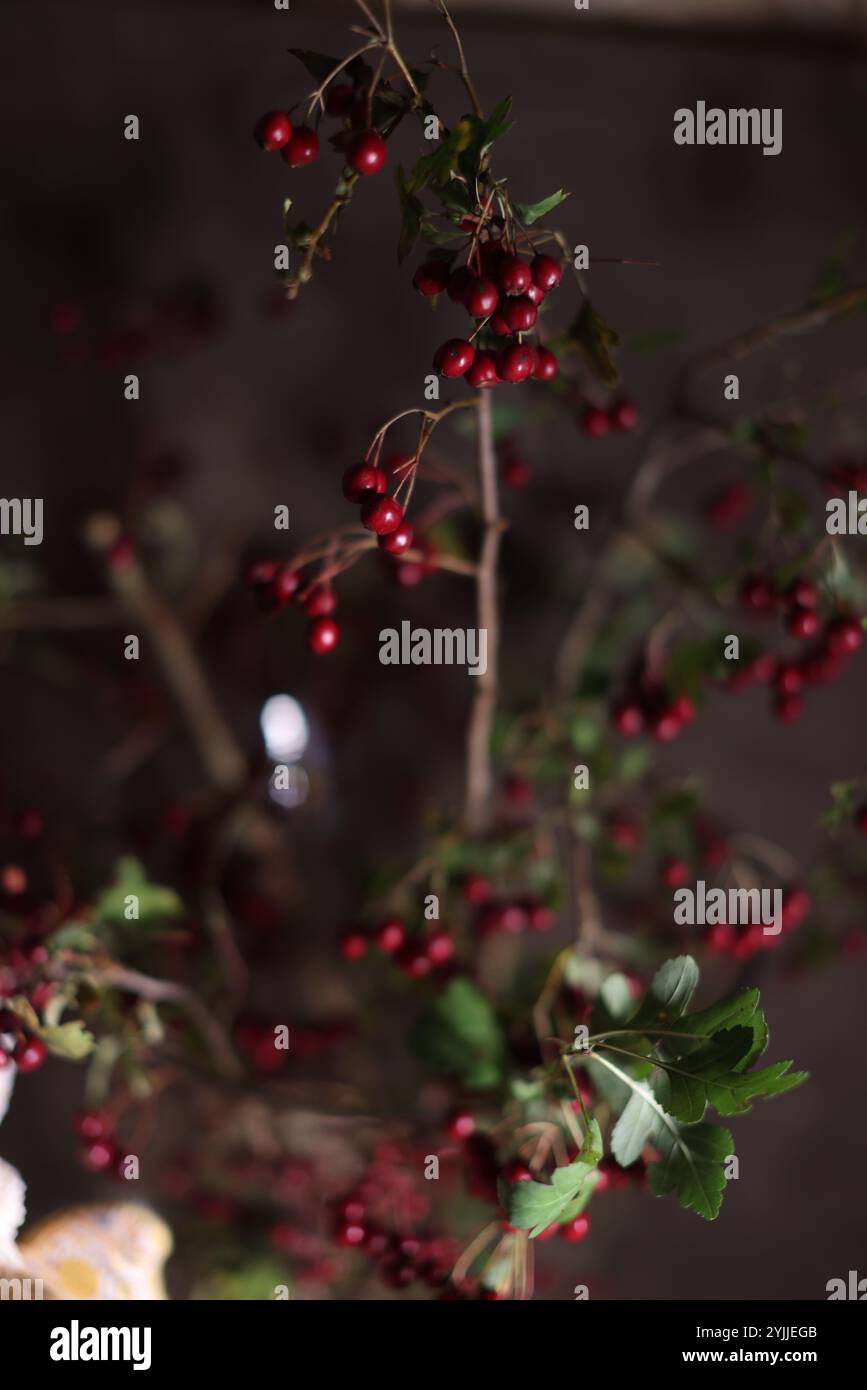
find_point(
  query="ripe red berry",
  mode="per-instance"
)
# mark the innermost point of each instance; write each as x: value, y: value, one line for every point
x: 802, y: 623
x: 454, y: 358
x: 390, y: 935
x: 339, y: 98
x: 623, y: 833
x: 517, y: 1172
x: 683, y: 709
x: 546, y: 365
x: 483, y: 372
x: 516, y: 363
x: 362, y: 482
x: 534, y: 294
x: 397, y: 541
x: 439, y: 947
x: 431, y: 278
x: 284, y: 585
x: 414, y: 962
x: 595, y: 422
x: 460, y: 1124
x: 540, y: 917
x: 844, y: 635
x: 546, y: 272
x: 520, y: 314
x: 516, y: 473
x: 353, y: 944
x: 481, y: 298
x: 321, y: 601
x: 673, y: 873
x: 476, y: 889
x: 628, y: 718
x: 382, y: 515
x: 788, y: 708
x: 99, y: 1155
x: 788, y: 678
x: 367, y: 152
x: 666, y: 724
x: 498, y: 325
x: 623, y: 415
x: 301, y: 148
x: 29, y: 1054
x: 92, y: 1124
x: 350, y: 1234
x: 576, y: 1229
x: 323, y: 635
x: 756, y: 593
x: 803, y: 593
x: 273, y: 130
x: 514, y: 275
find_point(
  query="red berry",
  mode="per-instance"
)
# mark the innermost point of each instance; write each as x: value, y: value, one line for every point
x: 367, y: 152
x: 520, y: 314
x: 460, y: 1124
x: 415, y: 962
x: 576, y: 1229
x: 498, y: 325
x: 518, y: 791
x: 273, y: 130
x: 29, y: 1054
x: 323, y: 635
x: 284, y: 585
x: 546, y: 365
x: 362, y: 482
x: 683, y: 709
x: 673, y: 873
x: 301, y: 148
x: 440, y: 948
x: 514, y: 275
x: 788, y: 708
x: 516, y: 363
x: 481, y: 298
x: 540, y: 917
x: 382, y: 515
x: 390, y: 935
x: 802, y: 623
x: 92, y: 1124
x: 665, y: 725
x: 350, y: 1234
x: 431, y: 278
x: 396, y: 542
x: 516, y: 473
x: 546, y: 272
x: 628, y: 718
x: 727, y: 507
x: 595, y: 422
x: 517, y: 1172
x: 99, y: 1155
x: 623, y: 415
x: 483, y: 372
x: 321, y: 601
x: 535, y: 295
x: 788, y: 678
x: 844, y: 635
x: 339, y: 98
x: 623, y: 833
x: 476, y: 889
x: 353, y: 944
x: 803, y: 593
x: 454, y: 358
x: 757, y: 593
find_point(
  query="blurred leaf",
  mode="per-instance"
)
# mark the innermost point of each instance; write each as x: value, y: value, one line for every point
x: 410, y: 214
x: 534, y: 1206
x: 649, y: 343
x: 460, y: 1035
x: 597, y: 340
x: 156, y: 904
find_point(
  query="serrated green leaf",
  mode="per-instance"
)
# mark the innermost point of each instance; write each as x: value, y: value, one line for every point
x: 670, y: 992
x: 528, y: 213
x: 716, y: 1075
x: 319, y: 65
x: 533, y: 1206
x: 460, y: 1035
x: 692, y: 1165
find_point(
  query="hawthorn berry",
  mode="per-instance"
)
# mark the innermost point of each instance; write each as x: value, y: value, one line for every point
x: 546, y: 272
x: 92, y: 1124
x: 350, y: 1235
x: 431, y: 278
x: 844, y: 635
x: 517, y: 1172
x: 390, y: 935
x: 516, y: 473
x: 99, y: 1155
x: 382, y: 515
x: 273, y: 130
x: 440, y: 948
x: 595, y: 422
x: 321, y: 601
x: 284, y: 586
x: 362, y: 482
x: 414, y: 961
x: 476, y: 889
x: 301, y: 148
x: 546, y: 365
x: 514, y: 275
x: 666, y: 724
x: 520, y: 314
x: 454, y: 358
x: 29, y: 1054
x: 483, y: 372
x: 623, y: 833
x: 628, y: 718
x: 397, y: 541
x: 534, y: 294
x: 540, y: 917
x: 788, y: 678
x: 498, y: 325
x: 367, y: 152
x: 803, y: 594
x: 516, y: 363
x: 802, y: 622
x: 481, y: 298
x: 673, y: 873
x: 460, y: 1124
x: 353, y: 944
x: 576, y: 1229
x: 788, y: 708
x: 323, y: 634
x: 756, y: 593
x: 460, y: 282
x: 623, y: 414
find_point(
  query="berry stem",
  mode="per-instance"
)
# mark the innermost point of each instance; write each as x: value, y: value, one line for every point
x: 479, y: 775
x: 464, y: 70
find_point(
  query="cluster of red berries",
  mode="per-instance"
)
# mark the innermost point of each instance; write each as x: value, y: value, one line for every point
x: 275, y: 585
x: 504, y: 299
x: 257, y: 1041
x: 20, y: 974
x: 651, y: 708
x: 621, y: 414
x: 17, y: 1046
x: 99, y: 1150
x: 365, y: 150
x: 726, y: 508
x: 415, y: 956
x: 745, y: 940
x: 509, y: 916
x: 367, y: 485
x: 402, y: 1258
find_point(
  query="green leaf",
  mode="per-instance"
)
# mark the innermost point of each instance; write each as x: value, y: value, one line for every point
x: 597, y: 340
x: 156, y: 904
x: 69, y: 1040
x: 670, y: 992
x: 496, y: 126
x: 692, y: 1165
x: 460, y: 1035
x: 735, y: 1010
x: 528, y: 213
x: 411, y: 211
x: 715, y: 1075
x: 534, y: 1206
x: 319, y: 65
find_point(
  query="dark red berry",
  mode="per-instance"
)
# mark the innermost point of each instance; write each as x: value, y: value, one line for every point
x: 673, y: 873
x: 367, y: 152
x: 285, y: 585
x: 362, y: 482
x: 397, y: 541
x: 628, y: 718
x: 476, y: 889
x: 665, y: 725
x: 454, y: 358
x: 623, y: 415
x: 803, y: 594
x: 595, y: 422
x: 460, y: 1124
x: 390, y: 935
x: 350, y: 1234
x: 323, y: 635
x: 440, y: 947
x: 321, y: 601
x: 576, y: 1229
x: 546, y: 272
x: 623, y: 833
x: 483, y: 372
x: 382, y: 515
x: 802, y: 623
x: 516, y: 473
x: 516, y: 363
x: 535, y: 295
x: 787, y: 708
x: 844, y: 635
x: 514, y: 275
x: 546, y: 365
x: 788, y: 678
x: 520, y: 314
x: 540, y: 917
x: 29, y: 1054
x: 92, y: 1124
x: 301, y: 148
x: 414, y: 962
x: 431, y: 278
x: 757, y: 594
x: 274, y: 130
x: 353, y: 944
x: 481, y: 298
x: 99, y: 1155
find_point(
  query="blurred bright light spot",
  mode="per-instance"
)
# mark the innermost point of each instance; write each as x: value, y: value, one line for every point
x: 292, y: 790
x: 284, y: 728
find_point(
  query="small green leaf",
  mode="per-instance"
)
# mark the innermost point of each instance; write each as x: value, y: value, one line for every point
x: 528, y: 213
x: 534, y: 1206
x: 670, y: 992
x: 715, y: 1075
x: 319, y: 65
x: 156, y: 904
x: 460, y: 1035
x: 71, y: 1040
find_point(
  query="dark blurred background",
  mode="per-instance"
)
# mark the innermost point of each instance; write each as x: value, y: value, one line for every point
x: 255, y: 407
